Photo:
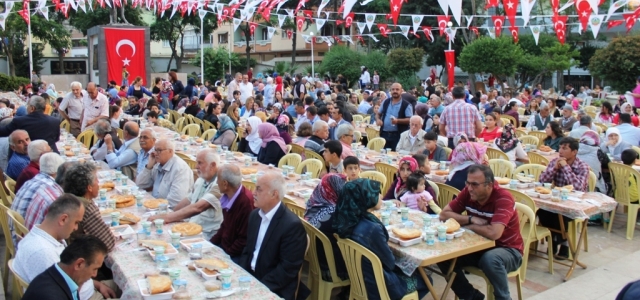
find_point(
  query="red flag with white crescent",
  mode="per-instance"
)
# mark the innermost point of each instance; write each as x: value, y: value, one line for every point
x: 308, y: 14
x: 491, y: 3
x: 24, y: 12
x: 349, y: 19
x: 450, y: 56
x: 442, y: 23
x: 395, y: 6
x: 583, y: 8
x: 498, y: 22
x: 560, y: 26
x: 252, y: 27
x: 514, y: 33
x: 289, y: 33
x: 125, y: 49
x: 299, y: 22
x: 383, y: 29
x: 427, y: 32
x: 630, y: 20
x: 555, y: 4
x: 614, y: 23
x: 474, y: 29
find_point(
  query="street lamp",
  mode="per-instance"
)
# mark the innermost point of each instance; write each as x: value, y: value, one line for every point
x: 313, y: 71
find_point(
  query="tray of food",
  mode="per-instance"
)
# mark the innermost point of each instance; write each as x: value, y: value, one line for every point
x: 156, y: 288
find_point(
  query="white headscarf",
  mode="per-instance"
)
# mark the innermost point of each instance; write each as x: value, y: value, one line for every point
x: 616, y: 131
x: 253, y: 138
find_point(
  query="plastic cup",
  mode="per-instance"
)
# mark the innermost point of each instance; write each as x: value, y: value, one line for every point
x: 158, y: 223
x: 159, y: 251
x: 174, y: 274
x: 247, y: 161
x: 162, y: 262
x: 225, y: 276
x: 175, y: 240
x: 404, y: 213
x: 125, y: 190
x: 141, y: 235
x: 443, y: 165
x: 547, y: 185
x: 442, y: 233
x: 431, y: 236
x: 195, y: 252
x: 139, y: 200
x: 513, y: 184
x: 115, y: 218
x: 385, y: 218
x: 244, y: 283
x: 111, y: 204
x: 426, y: 221
x: 103, y: 194
x: 162, y: 208
x: 146, y: 226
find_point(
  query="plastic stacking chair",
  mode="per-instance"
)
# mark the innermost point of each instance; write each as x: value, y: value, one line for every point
x: 620, y: 176
x: 321, y: 289
x: 180, y: 122
x: 389, y: 171
x: 446, y: 194
x: 366, y: 120
x: 539, y: 233
x: 372, y: 133
x: 18, y: 223
x: 312, y: 154
x: 541, y: 135
x: 65, y: 125
x: 527, y: 169
x: 291, y: 159
x: 192, y: 130
x: 375, y: 144
x: 447, y: 150
x: 87, y: 138
x: 19, y: 284
x: 496, y: 154
x: 377, y: 176
x: 295, y: 148
x: 530, y: 140
x: 536, y: 158
x: 526, y: 214
x: 357, y: 136
x: 353, y: 254
x: 189, y: 161
x: 208, y: 134
x: 520, y: 132
x: 294, y: 207
x: 311, y: 165
x: 9, y: 249
x: 501, y: 167
x: 234, y: 144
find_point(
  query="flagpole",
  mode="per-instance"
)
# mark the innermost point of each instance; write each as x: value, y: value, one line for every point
x: 30, y: 54
x: 202, y: 50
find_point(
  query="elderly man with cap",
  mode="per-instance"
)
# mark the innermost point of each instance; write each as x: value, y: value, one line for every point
x: 567, y: 120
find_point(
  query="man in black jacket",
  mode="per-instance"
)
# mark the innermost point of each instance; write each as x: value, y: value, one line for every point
x: 36, y: 123
x: 276, y: 240
x: 78, y: 262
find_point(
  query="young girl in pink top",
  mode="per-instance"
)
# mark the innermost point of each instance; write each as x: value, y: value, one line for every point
x: 416, y: 185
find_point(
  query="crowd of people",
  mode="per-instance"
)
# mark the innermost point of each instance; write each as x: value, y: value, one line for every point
x: 69, y: 240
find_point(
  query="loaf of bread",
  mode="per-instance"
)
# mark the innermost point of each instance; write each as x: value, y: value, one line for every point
x: 452, y: 225
x: 406, y: 233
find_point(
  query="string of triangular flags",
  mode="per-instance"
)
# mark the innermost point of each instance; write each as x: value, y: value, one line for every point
x: 266, y: 8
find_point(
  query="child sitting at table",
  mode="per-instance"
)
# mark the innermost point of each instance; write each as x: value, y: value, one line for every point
x: 432, y: 150
x: 629, y: 157
x: 351, y: 165
x: 416, y: 186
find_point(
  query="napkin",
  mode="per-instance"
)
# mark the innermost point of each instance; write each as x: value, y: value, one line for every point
x: 594, y: 202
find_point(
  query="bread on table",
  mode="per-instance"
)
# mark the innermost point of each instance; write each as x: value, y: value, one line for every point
x: 442, y: 172
x: 109, y: 185
x: 452, y: 225
x: 154, y: 203
x: 159, y: 284
x: 187, y: 228
x: 503, y: 180
x: 124, y: 200
x: 211, y: 266
x: 542, y: 190
x: 150, y: 244
x: 128, y: 218
x: 407, y: 233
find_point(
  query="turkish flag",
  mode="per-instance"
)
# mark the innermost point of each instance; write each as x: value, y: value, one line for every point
x: 450, y: 56
x: 125, y: 49
x: 630, y: 20
x: 583, y: 8
x: 498, y: 22
x: 443, y: 23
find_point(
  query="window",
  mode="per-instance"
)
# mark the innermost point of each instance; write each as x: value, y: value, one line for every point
x: 78, y: 43
x: 265, y: 34
x: 165, y: 44
x: 223, y: 38
x: 327, y: 30
x: 283, y: 33
x: 320, y: 53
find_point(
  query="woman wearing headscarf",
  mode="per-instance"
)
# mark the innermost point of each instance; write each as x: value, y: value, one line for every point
x: 193, y: 108
x: 458, y: 138
x: 354, y: 220
x: 251, y: 142
x: 590, y: 152
x: 422, y: 110
x: 226, y: 133
x: 272, y: 148
x: 614, y: 144
x: 510, y: 145
x: 51, y: 90
x: 319, y: 213
x: 465, y: 155
x: 406, y: 166
x: 626, y: 108
x: 282, y: 124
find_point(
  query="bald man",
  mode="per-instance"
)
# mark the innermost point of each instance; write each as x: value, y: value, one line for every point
x: 393, y: 117
x: 412, y: 140
x: 95, y: 107
x: 125, y: 159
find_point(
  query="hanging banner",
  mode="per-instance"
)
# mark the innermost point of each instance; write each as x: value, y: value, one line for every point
x: 320, y: 23
x: 498, y: 22
x: 583, y: 8
x: 450, y: 56
x: 281, y: 19
x: 416, y: 22
x: 384, y: 29
x: 299, y: 22
x: 527, y: 6
x: 405, y: 30
x: 443, y: 22
x: 396, y: 6
x: 361, y: 26
x: 348, y: 5
x: 444, y: 4
x: 24, y: 12
x: 252, y: 28
x: 595, y: 21
x: 451, y: 34
x: 535, y: 31
x: 514, y: 33
x: 348, y: 20
x: 510, y: 8
x: 427, y: 32
x: 560, y: 26
x: 616, y: 5
x: 630, y: 20
x: 614, y: 23
x: 236, y: 23
x: 270, y: 32
x: 289, y: 34
x: 369, y: 18
x: 321, y: 7
x: 125, y: 49
x: 554, y: 6
x: 456, y: 10
x: 474, y: 29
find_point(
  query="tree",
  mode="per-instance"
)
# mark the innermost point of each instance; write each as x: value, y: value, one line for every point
x: 377, y: 61
x: 342, y: 60
x: 618, y: 62
x: 586, y: 52
x: 541, y: 60
x: 216, y: 61
x: 173, y: 30
x: 404, y: 63
x: 102, y: 16
x: 498, y: 56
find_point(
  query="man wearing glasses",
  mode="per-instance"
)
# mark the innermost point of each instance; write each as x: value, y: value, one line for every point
x: 491, y: 213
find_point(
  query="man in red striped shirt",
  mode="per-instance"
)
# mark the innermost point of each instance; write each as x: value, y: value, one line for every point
x: 491, y: 213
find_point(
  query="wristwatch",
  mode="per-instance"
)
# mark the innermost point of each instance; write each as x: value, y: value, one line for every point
x: 470, y: 219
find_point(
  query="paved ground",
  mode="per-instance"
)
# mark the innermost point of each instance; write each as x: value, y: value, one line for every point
x: 612, y: 262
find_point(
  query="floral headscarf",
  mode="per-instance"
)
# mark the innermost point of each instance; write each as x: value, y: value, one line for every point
x: 590, y: 138
x: 508, y: 141
x: 413, y: 166
x: 324, y: 199
x: 356, y: 198
x: 467, y: 154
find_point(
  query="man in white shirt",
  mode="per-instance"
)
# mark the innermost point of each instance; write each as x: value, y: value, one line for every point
x: 246, y: 89
x: 73, y: 103
x: 41, y: 248
x: 167, y: 174
x: 582, y: 113
x: 585, y: 125
x: 125, y: 159
x: 628, y: 132
x: 276, y: 239
x: 233, y: 86
x: 95, y: 107
x: 412, y: 140
x: 202, y: 204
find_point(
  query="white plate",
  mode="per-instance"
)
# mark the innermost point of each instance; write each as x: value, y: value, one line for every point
x: 219, y: 294
x: 188, y: 243
x: 144, y: 291
x: 204, y: 275
x: 170, y: 252
x: 123, y: 231
x: 403, y: 243
x: 182, y: 236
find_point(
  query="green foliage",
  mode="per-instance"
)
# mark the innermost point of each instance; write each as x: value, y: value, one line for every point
x: 21, y: 58
x: 618, y: 62
x: 241, y: 66
x: 405, y: 60
x: 342, y: 60
x: 10, y: 83
x: 282, y: 67
x: 586, y: 52
x: 559, y: 57
x: 543, y: 59
x: 407, y: 79
x: 100, y: 16
x: 497, y: 56
x: 377, y: 61
x: 216, y: 62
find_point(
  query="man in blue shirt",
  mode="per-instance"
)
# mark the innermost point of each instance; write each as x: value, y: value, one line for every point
x: 393, y: 117
x: 147, y: 140
x: 628, y: 132
x: 18, y: 142
x: 437, y: 108
x: 79, y: 262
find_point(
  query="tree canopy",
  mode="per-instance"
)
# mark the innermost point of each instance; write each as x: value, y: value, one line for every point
x: 498, y: 56
x: 618, y: 63
x: 101, y: 16
x: 342, y: 60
